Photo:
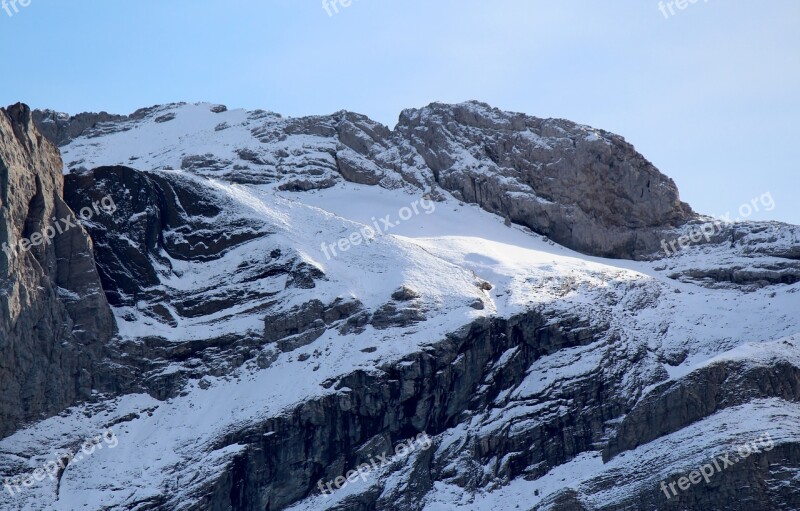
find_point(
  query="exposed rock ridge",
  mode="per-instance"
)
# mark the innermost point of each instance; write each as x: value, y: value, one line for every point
x: 586, y: 189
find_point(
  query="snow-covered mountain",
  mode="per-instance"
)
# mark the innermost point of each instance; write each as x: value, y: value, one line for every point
x: 276, y: 303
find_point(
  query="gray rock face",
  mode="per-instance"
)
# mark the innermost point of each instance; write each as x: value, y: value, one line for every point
x: 60, y: 128
x: 54, y: 317
x: 300, y: 326
x: 430, y: 391
x: 523, y: 397
x: 676, y: 404
x: 770, y: 249
x: 762, y: 483
x: 584, y: 188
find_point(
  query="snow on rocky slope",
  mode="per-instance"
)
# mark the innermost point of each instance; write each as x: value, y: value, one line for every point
x: 257, y: 354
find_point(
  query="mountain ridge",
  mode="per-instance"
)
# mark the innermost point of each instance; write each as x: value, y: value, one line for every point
x: 591, y: 191
x: 245, y: 366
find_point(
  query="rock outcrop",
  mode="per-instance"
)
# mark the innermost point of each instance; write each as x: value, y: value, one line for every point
x: 242, y: 366
x: 584, y: 188
x: 61, y: 129
x: 54, y: 317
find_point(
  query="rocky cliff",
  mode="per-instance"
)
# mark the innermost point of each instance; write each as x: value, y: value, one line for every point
x: 584, y: 188
x: 54, y: 317
x: 267, y: 343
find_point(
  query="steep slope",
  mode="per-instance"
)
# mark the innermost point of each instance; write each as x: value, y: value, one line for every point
x: 586, y: 189
x: 54, y: 318
x: 296, y: 297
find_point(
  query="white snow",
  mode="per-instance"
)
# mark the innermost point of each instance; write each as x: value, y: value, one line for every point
x: 443, y: 255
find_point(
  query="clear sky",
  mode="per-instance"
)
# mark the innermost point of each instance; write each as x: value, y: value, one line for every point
x: 710, y: 94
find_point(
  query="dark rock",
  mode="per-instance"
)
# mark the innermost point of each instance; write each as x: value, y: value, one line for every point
x: 203, y: 162
x: 302, y: 325
x: 405, y: 294
x: 390, y: 315
x: 165, y: 118
x: 677, y: 404
x: 61, y: 129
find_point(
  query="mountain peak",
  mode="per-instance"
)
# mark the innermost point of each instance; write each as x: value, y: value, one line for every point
x: 559, y: 178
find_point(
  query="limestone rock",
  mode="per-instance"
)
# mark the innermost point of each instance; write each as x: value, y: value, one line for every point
x: 54, y: 317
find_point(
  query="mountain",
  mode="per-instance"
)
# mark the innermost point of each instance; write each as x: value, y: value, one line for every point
x: 476, y: 310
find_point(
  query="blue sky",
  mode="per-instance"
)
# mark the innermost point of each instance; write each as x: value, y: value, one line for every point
x: 709, y: 94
